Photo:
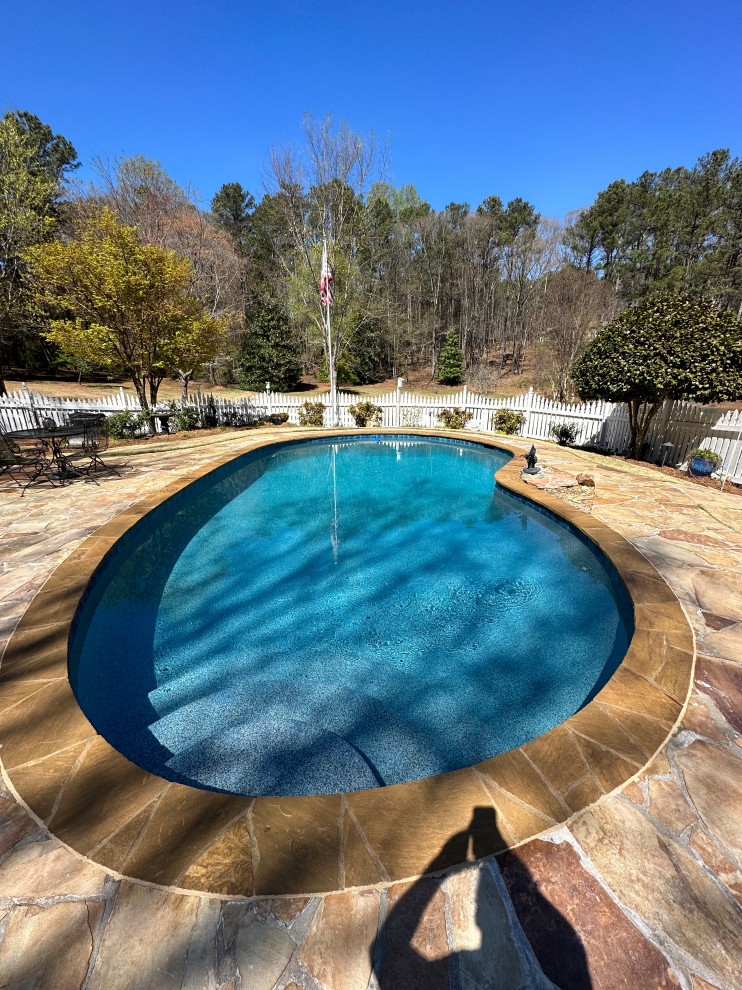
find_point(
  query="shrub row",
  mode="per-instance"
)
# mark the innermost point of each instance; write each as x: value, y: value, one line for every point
x: 127, y: 425
x: 124, y: 425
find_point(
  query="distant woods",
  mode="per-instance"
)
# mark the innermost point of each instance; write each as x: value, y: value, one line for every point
x: 463, y: 292
x: 679, y: 230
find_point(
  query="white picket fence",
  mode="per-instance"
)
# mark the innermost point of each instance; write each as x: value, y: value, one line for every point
x: 601, y: 425
x: 24, y: 410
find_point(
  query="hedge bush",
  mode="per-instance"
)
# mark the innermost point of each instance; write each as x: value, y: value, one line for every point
x: 563, y: 433
x: 187, y: 419
x: 365, y: 412
x: 454, y: 419
x: 508, y: 421
x: 312, y: 413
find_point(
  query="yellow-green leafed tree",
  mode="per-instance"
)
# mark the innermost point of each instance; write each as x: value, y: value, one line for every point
x: 130, y: 303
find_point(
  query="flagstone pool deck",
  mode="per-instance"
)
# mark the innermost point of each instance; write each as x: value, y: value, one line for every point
x: 636, y: 887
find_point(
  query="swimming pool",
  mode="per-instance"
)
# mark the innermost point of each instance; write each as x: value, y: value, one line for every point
x: 342, y: 614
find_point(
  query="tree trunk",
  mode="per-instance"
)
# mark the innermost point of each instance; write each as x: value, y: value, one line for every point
x: 140, y: 387
x: 185, y: 377
x: 154, y: 384
x: 154, y: 387
x: 641, y: 415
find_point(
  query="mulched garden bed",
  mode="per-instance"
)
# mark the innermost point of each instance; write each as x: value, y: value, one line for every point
x: 179, y: 437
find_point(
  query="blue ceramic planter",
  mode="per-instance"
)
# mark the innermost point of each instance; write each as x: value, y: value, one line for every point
x: 702, y: 467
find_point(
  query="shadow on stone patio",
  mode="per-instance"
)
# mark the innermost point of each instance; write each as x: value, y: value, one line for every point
x: 494, y: 955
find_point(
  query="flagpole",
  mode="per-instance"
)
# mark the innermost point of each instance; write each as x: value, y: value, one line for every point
x: 328, y: 330
x: 333, y: 369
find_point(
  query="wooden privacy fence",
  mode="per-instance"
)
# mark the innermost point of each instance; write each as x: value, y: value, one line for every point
x: 601, y: 425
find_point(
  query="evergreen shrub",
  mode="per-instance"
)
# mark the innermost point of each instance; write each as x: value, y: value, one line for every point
x: 122, y: 425
x: 366, y: 412
x: 450, y: 368
x: 454, y: 419
x: 312, y: 413
x: 186, y: 419
x: 563, y: 433
x: 508, y: 421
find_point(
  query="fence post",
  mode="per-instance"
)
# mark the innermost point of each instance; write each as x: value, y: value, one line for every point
x: 733, y: 451
x: 527, y: 406
x: 400, y: 382
x: 269, y: 403
x: 658, y: 429
x: 605, y: 411
x: 28, y: 397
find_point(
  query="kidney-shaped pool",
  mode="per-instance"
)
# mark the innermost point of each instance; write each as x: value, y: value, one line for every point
x: 344, y: 613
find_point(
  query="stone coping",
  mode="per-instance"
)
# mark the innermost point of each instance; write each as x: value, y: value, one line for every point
x: 141, y: 826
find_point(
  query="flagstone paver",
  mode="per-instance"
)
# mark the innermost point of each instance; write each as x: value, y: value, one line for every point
x: 262, y: 952
x: 336, y: 952
x: 647, y: 891
x: 49, y: 947
x: 555, y: 898
x: 482, y: 933
x: 658, y: 878
x: 148, y: 931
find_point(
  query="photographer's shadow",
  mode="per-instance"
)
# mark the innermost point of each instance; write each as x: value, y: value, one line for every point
x: 502, y: 959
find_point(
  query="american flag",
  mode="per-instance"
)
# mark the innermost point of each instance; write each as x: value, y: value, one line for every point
x: 325, y: 285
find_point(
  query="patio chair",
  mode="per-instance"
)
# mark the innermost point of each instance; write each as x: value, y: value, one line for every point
x: 28, y: 458
x: 92, y: 442
x: 83, y: 416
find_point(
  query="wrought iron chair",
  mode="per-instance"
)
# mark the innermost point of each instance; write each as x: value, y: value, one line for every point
x: 29, y: 458
x: 83, y: 419
x: 92, y: 442
x: 84, y: 416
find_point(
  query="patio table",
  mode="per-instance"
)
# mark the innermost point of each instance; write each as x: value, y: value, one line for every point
x: 54, y: 438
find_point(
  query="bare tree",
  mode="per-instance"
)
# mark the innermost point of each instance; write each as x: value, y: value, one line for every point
x: 218, y: 270
x: 319, y: 190
x: 576, y: 305
x: 141, y: 194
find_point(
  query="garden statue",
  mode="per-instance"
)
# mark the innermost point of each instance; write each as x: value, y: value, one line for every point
x: 210, y: 417
x: 531, y: 461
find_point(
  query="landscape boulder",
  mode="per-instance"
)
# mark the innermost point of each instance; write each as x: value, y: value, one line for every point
x: 586, y: 480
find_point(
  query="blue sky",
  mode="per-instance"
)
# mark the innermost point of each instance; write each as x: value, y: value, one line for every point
x: 542, y: 99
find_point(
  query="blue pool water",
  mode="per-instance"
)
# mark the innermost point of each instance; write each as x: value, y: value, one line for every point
x: 327, y: 616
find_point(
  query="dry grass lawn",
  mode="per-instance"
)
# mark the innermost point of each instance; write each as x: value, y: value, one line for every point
x: 170, y: 389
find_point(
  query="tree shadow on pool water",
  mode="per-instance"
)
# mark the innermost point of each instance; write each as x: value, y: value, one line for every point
x: 501, y: 957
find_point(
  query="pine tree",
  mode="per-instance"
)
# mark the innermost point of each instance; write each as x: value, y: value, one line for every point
x: 269, y: 353
x: 450, y: 369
